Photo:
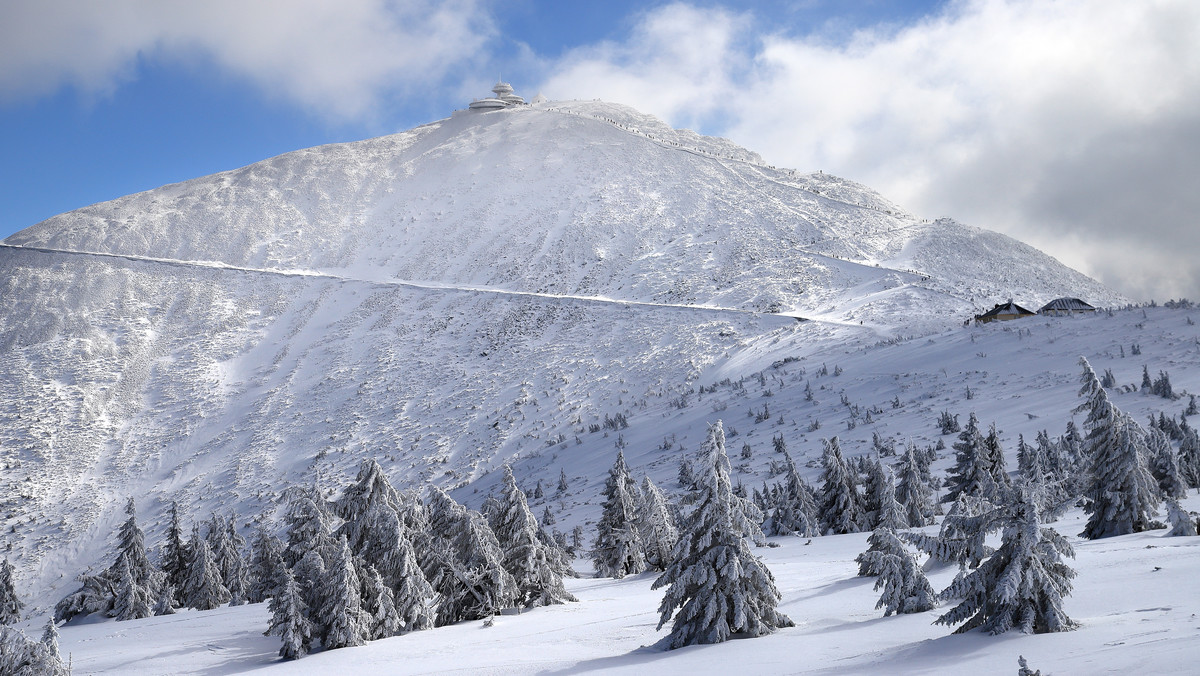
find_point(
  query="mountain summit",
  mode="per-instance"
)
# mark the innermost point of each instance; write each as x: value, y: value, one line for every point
x: 444, y: 299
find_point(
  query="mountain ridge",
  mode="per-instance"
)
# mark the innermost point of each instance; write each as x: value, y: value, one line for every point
x: 483, y: 288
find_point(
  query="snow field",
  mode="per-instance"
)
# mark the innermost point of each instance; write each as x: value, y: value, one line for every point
x: 1137, y: 613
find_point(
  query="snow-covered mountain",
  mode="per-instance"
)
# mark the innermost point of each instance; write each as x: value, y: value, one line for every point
x: 476, y: 290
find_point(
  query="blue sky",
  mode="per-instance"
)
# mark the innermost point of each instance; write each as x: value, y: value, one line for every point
x: 1070, y: 125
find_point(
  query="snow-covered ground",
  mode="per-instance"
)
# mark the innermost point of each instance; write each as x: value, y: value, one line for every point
x: 1134, y: 598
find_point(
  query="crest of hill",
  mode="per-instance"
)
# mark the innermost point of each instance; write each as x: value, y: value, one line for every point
x: 579, y: 198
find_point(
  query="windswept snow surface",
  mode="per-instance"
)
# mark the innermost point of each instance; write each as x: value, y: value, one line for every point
x: 488, y: 289
x: 1136, y: 617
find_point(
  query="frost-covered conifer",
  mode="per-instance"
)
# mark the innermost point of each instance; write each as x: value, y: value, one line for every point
x: 10, y: 605
x: 872, y: 472
x: 203, y: 589
x: 891, y: 519
x: 972, y: 472
x: 94, y: 596
x: 370, y: 509
x: 1189, y: 457
x: 548, y: 517
x: 794, y: 508
x: 50, y: 638
x: 266, y: 566
x: 839, y: 505
x: 996, y: 464
x: 289, y: 619
x: 1022, y: 585
x: 525, y: 556
x: 657, y: 526
x: 379, y: 603
x: 1164, y: 464
x: 961, y: 538
x: 132, y: 601
x: 563, y: 486
x: 235, y: 573
x: 22, y: 656
x: 464, y: 563
x: 913, y: 490
x: 340, y: 618
x: 717, y: 589
x: 308, y: 528
x: 619, y: 550
x: 1121, y: 494
x: 414, y: 596
x: 147, y: 579
x: 175, y: 554
x: 310, y: 574
x: 905, y: 587
x: 165, y: 605
x: 1181, y: 522
x: 1035, y: 468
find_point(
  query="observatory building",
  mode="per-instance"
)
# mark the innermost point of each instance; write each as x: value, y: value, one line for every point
x: 504, y: 98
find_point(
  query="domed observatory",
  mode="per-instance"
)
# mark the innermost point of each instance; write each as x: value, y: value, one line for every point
x: 504, y: 97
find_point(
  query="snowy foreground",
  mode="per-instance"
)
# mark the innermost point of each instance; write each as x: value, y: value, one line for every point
x: 1135, y: 598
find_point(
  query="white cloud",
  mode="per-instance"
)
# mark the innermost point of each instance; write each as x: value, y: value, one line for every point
x: 336, y: 58
x: 1070, y: 124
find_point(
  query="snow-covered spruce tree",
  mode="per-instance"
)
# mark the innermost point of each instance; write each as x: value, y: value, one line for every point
x: 1121, y: 495
x: 716, y: 588
x: 839, y: 505
x: 972, y: 472
x: 289, y: 619
x: 1164, y: 464
x: 236, y: 574
x: 464, y: 563
x: 175, y: 553
x: 657, y: 526
x: 414, y: 597
x: 10, y: 605
x: 913, y: 490
x: 964, y: 530
x: 905, y: 587
x: 1022, y: 585
x: 165, y: 605
x: 132, y: 601
x: 22, y: 656
x: 996, y: 464
x: 50, y: 638
x: 1034, y: 466
x: 379, y: 603
x: 310, y: 575
x: 266, y: 566
x: 308, y: 527
x: 618, y: 550
x: 795, y: 509
x: 1181, y: 522
x: 370, y: 508
x: 340, y: 619
x: 526, y: 557
x: 94, y: 596
x: 1189, y: 457
x: 203, y: 589
x: 147, y: 578
x: 891, y: 519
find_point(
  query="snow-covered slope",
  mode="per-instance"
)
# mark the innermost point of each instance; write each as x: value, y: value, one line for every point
x: 475, y: 290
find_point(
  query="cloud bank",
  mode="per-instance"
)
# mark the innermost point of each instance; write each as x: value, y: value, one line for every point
x: 336, y: 59
x: 1072, y: 125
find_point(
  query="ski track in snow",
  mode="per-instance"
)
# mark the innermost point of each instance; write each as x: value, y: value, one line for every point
x: 383, y: 281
